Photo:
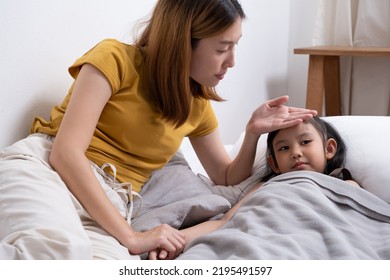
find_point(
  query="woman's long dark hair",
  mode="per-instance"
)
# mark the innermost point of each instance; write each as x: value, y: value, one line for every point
x: 326, y: 131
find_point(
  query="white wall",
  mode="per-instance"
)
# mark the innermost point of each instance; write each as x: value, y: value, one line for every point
x: 40, y: 39
x: 301, y: 27
x: 266, y: 65
x: 261, y: 65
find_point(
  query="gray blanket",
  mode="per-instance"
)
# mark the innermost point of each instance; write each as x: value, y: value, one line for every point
x: 302, y: 215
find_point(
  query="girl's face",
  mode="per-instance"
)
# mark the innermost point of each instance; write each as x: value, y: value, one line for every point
x: 212, y: 56
x: 301, y: 148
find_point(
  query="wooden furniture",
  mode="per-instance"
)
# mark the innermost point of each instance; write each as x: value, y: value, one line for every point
x: 324, y: 74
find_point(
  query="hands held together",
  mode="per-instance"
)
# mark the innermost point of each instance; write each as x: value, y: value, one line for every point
x: 162, y: 242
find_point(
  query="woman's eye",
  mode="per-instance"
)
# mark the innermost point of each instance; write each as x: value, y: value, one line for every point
x: 222, y: 51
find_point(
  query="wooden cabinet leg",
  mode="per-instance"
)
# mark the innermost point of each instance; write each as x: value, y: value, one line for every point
x: 315, y: 83
x: 332, y: 85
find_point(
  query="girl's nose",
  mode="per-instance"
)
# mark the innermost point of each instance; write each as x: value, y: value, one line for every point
x: 296, y: 153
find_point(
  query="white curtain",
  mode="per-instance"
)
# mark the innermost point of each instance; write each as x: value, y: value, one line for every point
x: 365, y: 81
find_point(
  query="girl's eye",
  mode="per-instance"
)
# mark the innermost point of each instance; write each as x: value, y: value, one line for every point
x: 305, y: 142
x: 283, y: 148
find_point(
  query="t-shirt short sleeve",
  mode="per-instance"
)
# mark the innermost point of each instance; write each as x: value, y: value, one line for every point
x: 109, y: 56
x: 208, y: 122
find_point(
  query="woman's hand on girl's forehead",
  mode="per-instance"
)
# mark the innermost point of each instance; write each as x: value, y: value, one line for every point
x: 274, y: 115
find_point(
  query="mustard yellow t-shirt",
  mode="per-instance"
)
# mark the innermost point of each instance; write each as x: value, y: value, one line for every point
x: 129, y: 133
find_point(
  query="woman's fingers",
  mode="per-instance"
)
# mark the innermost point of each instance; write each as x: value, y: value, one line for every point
x: 301, y: 111
x: 278, y: 101
x: 170, y: 242
x: 163, y: 255
x: 158, y: 239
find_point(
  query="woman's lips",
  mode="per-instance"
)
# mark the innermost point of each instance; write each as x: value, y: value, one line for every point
x: 220, y: 76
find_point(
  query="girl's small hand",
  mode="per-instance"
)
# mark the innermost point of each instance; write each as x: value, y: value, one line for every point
x: 273, y: 115
x: 153, y: 255
x: 163, y: 241
x: 159, y: 254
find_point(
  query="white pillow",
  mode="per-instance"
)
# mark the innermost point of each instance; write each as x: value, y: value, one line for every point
x: 368, y: 150
x: 260, y: 160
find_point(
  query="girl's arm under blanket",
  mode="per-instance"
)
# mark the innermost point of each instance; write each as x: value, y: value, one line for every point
x: 195, y: 231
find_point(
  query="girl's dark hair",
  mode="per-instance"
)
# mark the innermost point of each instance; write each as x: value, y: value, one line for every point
x: 326, y: 131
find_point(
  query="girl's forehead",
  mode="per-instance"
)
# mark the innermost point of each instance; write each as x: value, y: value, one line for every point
x: 297, y: 130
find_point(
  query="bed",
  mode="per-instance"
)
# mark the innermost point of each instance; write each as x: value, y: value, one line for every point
x: 299, y: 215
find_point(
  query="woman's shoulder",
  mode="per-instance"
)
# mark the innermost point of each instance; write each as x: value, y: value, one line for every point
x: 111, y: 50
x: 116, y: 46
x: 110, y: 42
x: 118, y: 61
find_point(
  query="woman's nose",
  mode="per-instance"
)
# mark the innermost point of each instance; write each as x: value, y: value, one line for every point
x: 230, y: 60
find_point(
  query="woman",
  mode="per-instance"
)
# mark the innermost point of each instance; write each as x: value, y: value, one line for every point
x: 125, y: 116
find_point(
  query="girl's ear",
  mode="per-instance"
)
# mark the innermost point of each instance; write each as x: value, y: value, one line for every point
x: 273, y: 164
x: 330, y: 148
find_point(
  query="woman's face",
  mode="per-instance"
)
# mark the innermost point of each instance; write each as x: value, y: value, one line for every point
x: 212, y: 56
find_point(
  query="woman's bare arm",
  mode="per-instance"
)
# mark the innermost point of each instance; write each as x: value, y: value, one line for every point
x: 90, y: 94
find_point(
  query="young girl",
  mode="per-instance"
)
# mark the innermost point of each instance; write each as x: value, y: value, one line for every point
x: 304, y: 144
x: 313, y: 145
x: 65, y: 190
